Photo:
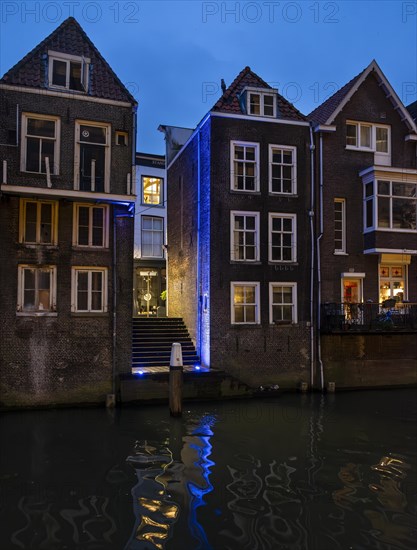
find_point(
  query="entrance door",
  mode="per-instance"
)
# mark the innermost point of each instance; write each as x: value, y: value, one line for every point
x: 351, y: 296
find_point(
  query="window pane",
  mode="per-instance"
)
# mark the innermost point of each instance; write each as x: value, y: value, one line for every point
x: 382, y: 140
x: 30, y: 225
x: 59, y: 73
x: 403, y: 214
x: 351, y: 135
x: 82, y: 291
x: 238, y: 296
x: 93, y: 134
x: 383, y: 212
x: 369, y: 213
x: 151, y: 190
x: 96, y: 280
x: 96, y: 303
x: 75, y: 76
x: 47, y: 150
x: 254, y: 107
x: 98, y: 227
x: 40, y: 127
x: 33, y: 154
x: 365, y: 133
x: 239, y: 314
x: 250, y: 314
x: 268, y: 105
x: 46, y: 223
x: 383, y: 187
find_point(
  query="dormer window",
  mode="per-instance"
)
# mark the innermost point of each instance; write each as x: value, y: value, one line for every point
x: 68, y: 72
x: 261, y: 102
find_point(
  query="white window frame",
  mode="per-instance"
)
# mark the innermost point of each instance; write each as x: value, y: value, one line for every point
x: 244, y: 144
x: 376, y: 196
x: 162, y: 232
x: 53, y: 166
x: 75, y: 224
x: 21, y: 289
x: 342, y: 229
x: 373, y: 145
x: 107, y: 148
x: 262, y: 94
x: 74, y: 289
x: 233, y: 245
x: 293, y: 218
x: 253, y: 284
x: 22, y: 222
x: 121, y: 134
x: 67, y: 58
x: 293, y: 150
x: 294, y: 316
x: 161, y: 191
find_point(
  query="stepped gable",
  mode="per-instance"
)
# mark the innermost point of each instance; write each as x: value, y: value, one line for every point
x: 68, y: 38
x: 324, y: 111
x: 229, y: 101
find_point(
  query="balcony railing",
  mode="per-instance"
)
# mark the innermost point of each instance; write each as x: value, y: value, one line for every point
x: 368, y: 317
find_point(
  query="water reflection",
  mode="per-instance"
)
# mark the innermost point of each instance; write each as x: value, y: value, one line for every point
x: 293, y: 473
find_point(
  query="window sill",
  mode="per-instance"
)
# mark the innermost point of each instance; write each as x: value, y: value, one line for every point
x: 283, y: 264
x: 245, y: 262
x: 89, y: 314
x: 82, y: 248
x: 246, y: 325
x: 150, y: 205
x: 36, y: 246
x: 244, y: 192
x: 285, y: 324
x: 36, y: 314
x: 340, y: 254
x: 284, y: 195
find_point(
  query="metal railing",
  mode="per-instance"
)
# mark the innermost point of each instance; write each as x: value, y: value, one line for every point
x: 368, y: 317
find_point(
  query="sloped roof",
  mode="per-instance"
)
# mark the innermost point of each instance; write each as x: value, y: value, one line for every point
x: 327, y: 111
x: 323, y: 112
x: 412, y: 109
x: 71, y: 39
x: 229, y: 101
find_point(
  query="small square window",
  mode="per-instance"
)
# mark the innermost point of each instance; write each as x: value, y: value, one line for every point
x: 121, y: 139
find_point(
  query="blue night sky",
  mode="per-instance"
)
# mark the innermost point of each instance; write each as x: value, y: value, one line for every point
x: 172, y: 55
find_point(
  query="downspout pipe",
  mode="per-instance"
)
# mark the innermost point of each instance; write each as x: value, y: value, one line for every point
x: 312, y: 267
x: 319, y: 358
x: 114, y: 304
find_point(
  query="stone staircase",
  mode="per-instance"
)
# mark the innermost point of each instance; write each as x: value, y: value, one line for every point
x: 152, y: 338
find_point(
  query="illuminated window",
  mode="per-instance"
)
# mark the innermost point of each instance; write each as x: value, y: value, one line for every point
x: 40, y: 144
x: 245, y: 303
x: 282, y: 303
x: 152, y: 190
x: 283, y: 237
x: 152, y: 237
x: 91, y: 226
x: 68, y: 72
x: 244, y: 236
x: 38, y: 222
x: 92, y: 156
x: 282, y: 170
x: 392, y: 282
x: 89, y: 289
x: 36, y: 289
x: 244, y: 166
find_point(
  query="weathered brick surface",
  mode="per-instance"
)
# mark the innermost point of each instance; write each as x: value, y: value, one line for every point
x: 69, y: 358
x: 261, y: 354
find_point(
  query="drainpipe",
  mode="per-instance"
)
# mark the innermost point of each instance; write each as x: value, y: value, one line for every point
x: 311, y: 216
x: 319, y: 264
x: 114, y: 304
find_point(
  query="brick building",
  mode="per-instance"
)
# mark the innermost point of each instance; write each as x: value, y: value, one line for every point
x: 366, y: 183
x: 149, y: 279
x: 67, y: 143
x: 367, y: 173
x: 240, y: 236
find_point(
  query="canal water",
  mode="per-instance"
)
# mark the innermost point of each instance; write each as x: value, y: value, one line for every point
x: 290, y: 472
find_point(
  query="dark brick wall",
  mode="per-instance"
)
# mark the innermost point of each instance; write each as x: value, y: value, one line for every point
x: 69, y: 110
x: 67, y: 358
x: 341, y: 180
x: 261, y: 354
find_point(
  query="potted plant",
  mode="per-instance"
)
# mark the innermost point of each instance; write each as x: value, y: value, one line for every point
x: 162, y: 310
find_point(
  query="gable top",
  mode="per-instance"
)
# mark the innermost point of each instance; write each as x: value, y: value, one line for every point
x: 328, y: 111
x: 69, y: 38
x: 229, y: 101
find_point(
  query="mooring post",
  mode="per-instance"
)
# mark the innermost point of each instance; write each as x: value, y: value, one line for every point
x: 175, y: 380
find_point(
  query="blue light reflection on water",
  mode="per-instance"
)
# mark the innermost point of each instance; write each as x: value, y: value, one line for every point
x: 292, y: 473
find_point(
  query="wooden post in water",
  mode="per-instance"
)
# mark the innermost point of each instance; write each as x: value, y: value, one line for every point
x: 175, y: 380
